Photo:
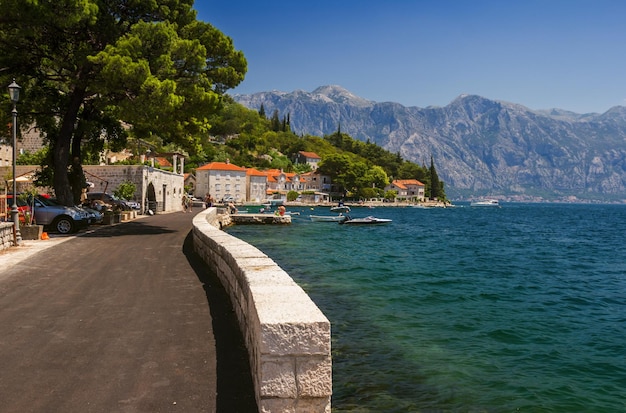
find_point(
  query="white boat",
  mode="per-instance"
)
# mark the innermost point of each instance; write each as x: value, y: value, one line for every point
x: 486, y: 203
x: 365, y: 221
x: 327, y: 218
x: 340, y: 208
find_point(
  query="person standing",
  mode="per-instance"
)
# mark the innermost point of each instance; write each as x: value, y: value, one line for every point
x: 184, y: 202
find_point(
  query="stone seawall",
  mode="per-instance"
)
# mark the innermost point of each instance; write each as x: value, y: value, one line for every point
x: 286, y: 334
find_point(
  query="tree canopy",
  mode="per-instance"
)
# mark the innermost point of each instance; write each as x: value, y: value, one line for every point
x: 94, y: 70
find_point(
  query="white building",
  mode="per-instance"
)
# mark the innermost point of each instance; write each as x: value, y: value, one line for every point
x: 256, y: 185
x: 407, y: 189
x: 221, y: 179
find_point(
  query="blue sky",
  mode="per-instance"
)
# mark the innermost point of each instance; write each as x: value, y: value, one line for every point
x: 568, y: 54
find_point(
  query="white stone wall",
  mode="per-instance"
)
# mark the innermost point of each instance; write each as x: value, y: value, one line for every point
x: 286, y: 334
x: 168, y: 186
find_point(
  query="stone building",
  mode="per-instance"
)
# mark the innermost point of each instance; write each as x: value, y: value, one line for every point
x: 221, y: 179
x: 156, y: 190
x: 407, y: 189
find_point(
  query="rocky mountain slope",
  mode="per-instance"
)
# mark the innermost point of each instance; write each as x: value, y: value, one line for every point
x: 480, y: 146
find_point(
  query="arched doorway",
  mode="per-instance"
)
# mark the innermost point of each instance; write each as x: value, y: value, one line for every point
x: 151, y: 201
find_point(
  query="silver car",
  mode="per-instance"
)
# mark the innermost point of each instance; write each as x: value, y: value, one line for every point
x: 57, y: 217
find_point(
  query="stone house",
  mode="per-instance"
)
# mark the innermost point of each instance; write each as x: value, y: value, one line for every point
x: 156, y: 189
x: 190, y: 182
x: 407, y: 189
x: 312, y: 181
x: 310, y: 158
x: 281, y: 182
x: 256, y: 185
x: 220, y: 179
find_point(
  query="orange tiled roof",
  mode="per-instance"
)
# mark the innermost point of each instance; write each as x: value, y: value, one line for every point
x: 162, y: 161
x: 254, y: 172
x: 309, y: 154
x: 273, y: 173
x: 221, y: 166
x: 402, y: 183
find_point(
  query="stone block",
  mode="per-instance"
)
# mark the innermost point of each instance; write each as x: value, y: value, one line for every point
x: 314, y: 377
x: 278, y: 378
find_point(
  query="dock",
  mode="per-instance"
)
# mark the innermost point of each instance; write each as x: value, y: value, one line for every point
x: 260, y: 219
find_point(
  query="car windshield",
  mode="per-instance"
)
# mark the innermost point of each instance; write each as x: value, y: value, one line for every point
x: 47, y: 201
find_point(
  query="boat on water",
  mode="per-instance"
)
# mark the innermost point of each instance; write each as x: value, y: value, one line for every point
x: 486, y: 203
x: 327, y: 218
x: 340, y: 208
x: 364, y: 221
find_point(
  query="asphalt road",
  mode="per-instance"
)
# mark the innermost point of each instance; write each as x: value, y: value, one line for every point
x: 125, y: 318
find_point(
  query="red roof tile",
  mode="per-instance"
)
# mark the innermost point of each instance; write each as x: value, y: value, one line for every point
x: 221, y: 166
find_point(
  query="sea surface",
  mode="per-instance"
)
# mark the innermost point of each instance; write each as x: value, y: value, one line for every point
x: 518, y: 308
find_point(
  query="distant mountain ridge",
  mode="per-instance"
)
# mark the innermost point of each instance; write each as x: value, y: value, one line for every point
x: 480, y: 146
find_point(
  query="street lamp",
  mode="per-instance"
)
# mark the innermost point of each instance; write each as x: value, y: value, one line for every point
x: 14, y: 94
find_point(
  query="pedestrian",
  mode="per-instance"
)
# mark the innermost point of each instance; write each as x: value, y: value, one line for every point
x: 232, y: 208
x: 185, y: 203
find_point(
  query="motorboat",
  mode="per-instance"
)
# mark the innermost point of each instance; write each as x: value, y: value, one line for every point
x: 364, y: 221
x: 340, y: 208
x: 327, y: 218
x: 486, y: 203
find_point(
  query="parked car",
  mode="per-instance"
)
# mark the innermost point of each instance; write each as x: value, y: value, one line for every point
x: 95, y: 216
x: 228, y: 198
x: 132, y: 204
x: 22, y: 207
x: 60, y: 218
x: 110, y: 199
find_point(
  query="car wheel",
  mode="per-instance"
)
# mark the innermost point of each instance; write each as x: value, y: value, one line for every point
x: 63, y: 225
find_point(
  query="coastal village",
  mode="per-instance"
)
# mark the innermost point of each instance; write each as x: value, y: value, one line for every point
x: 221, y: 180
x: 249, y: 185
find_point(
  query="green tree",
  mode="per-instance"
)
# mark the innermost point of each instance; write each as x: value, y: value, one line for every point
x: 125, y: 190
x: 292, y: 196
x: 434, y: 181
x: 35, y: 158
x: 88, y: 67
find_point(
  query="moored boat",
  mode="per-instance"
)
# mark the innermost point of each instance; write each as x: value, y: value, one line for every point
x: 365, y: 221
x: 327, y: 218
x: 340, y: 208
x: 486, y: 203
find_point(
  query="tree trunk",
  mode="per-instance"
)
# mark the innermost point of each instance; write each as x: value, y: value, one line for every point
x: 61, y: 148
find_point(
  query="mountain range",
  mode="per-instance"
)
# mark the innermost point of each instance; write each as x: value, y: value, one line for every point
x: 480, y: 147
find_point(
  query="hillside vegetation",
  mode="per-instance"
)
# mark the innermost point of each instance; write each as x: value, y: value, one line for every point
x: 249, y: 138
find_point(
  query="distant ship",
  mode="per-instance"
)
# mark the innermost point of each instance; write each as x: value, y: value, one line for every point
x: 486, y: 203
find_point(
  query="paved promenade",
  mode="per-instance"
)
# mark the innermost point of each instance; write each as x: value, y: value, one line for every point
x: 123, y: 318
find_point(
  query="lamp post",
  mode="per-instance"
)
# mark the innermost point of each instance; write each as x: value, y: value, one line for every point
x: 14, y: 94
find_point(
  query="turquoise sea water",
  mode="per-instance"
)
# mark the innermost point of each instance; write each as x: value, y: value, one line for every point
x: 521, y: 308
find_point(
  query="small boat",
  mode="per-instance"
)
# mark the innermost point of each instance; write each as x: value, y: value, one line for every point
x: 327, y: 218
x: 486, y: 203
x: 365, y: 221
x: 340, y: 208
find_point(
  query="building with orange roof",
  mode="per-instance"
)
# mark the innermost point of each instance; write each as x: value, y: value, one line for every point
x: 312, y: 181
x: 311, y: 158
x: 256, y: 185
x: 190, y: 182
x: 221, y: 179
x: 407, y: 189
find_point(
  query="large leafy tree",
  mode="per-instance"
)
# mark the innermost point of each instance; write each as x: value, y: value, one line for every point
x: 100, y: 69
